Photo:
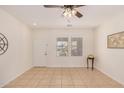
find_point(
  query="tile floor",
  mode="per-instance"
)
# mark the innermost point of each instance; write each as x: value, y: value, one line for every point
x: 63, y: 78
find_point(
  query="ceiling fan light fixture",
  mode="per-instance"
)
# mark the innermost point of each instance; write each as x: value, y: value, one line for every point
x: 65, y: 14
x: 73, y: 11
x: 69, y: 15
x: 69, y: 12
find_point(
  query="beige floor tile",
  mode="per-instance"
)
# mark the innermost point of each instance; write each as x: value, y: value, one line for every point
x: 68, y: 86
x: 42, y: 86
x: 63, y: 78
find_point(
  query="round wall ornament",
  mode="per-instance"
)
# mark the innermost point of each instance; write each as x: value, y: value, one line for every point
x: 3, y: 44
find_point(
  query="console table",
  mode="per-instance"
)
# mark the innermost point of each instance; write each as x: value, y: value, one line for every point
x: 92, y: 60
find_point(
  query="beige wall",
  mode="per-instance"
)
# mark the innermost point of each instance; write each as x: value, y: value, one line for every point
x: 50, y: 35
x: 110, y: 61
x: 18, y: 57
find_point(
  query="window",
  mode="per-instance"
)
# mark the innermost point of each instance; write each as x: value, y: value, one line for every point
x: 76, y: 46
x: 66, y: 48
x: 62, y: 46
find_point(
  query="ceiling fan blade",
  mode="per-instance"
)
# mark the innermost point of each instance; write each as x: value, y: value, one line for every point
x: 53, y: 6
x: 76, y: 6
x: 78, y: 14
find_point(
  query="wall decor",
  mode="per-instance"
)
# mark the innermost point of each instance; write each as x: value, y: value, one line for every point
x: 3, y: 44
x: 115, y: 40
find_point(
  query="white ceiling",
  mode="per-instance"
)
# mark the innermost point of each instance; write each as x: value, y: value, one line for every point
x: 94, y: 15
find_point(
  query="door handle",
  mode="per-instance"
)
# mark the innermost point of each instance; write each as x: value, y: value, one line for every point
x: 45, y: 54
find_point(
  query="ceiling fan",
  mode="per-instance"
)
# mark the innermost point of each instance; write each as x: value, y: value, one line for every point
x: 69, y: 10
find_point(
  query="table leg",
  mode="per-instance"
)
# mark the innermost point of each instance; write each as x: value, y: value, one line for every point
x: 87, y: 64
x: 92, y: 64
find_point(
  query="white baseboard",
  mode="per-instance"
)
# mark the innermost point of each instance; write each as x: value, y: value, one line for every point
x: 14, y: 77
x: 61, y: 66
x: 109, y: 75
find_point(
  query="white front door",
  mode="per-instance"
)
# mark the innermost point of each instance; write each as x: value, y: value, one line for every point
x: 41, y: 49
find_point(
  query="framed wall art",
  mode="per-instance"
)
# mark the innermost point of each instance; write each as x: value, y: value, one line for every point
x: 3, y: 44
x: 116, y: 40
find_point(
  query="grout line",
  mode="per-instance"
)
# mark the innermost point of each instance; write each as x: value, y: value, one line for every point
x: 64, y: 73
